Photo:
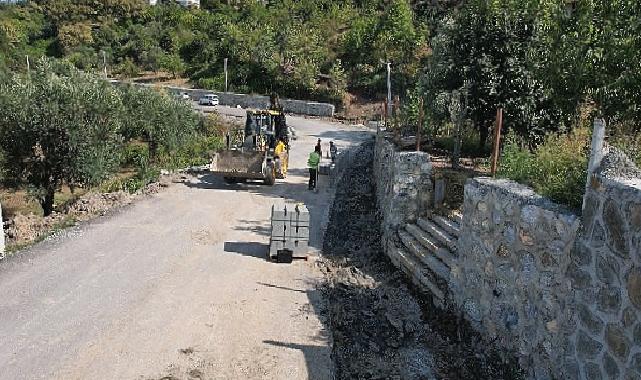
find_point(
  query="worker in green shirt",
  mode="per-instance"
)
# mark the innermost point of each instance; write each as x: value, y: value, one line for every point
x: 312, y: 164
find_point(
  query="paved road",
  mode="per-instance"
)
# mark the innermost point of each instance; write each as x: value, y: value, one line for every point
x: 174, y: 285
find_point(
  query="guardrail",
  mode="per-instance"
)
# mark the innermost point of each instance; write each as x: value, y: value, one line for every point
x: 300, y: 107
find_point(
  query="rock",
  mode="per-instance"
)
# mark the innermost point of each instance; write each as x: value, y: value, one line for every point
x: 634, y: 287
x: 593, y: 323
x: 572, y: 371
x: 637, y: 335
x: 611, y: 367
x: 636, y: 362
x: 617, y: 342
x: 592, y: 371
x: 581, y: 254
x: 530, y: 215
x: 635, y: 217
x: 598, y: 235
x: 607, y: 269
x: 609, y: 299
x: 629, y: 317
x: 525, y: 238
x: 552, y: 326
x: 615, y: 164
x: 616, y: 226
x: 472, y: 310
x: 580, y: 278
x: 586, y: 347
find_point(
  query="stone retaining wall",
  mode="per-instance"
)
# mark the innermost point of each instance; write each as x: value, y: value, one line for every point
x: 606, y: 277
x: 561, y: 292
x: 299, y: 107
x: 403, y: 186
x: 510, y: 281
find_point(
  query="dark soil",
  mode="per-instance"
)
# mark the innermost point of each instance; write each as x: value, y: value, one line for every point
x: 382, y: 327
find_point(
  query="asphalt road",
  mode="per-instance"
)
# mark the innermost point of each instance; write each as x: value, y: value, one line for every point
x: 174, y: 285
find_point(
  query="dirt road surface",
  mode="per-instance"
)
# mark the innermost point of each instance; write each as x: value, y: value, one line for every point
x: 174, y: 286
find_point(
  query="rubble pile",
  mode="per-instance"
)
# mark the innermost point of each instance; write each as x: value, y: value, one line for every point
x: 376, y: 324
x: 382, y: 327
x: 24, y: 229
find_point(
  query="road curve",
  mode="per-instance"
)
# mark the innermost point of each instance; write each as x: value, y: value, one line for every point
x: 174, y: 285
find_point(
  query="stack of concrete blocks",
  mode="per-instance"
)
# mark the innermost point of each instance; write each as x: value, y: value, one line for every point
x: 290, y: 229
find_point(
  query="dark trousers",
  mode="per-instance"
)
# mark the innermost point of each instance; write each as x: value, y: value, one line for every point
x: 313, y: 173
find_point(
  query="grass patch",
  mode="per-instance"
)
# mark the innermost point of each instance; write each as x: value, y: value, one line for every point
x: 556, y: 169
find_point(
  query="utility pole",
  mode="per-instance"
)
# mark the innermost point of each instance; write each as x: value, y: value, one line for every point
x: 389, y: 88
x: 226, y: 75
x: 104, y: 62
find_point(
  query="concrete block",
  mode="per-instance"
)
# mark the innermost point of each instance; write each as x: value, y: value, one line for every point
x: 301, y: 216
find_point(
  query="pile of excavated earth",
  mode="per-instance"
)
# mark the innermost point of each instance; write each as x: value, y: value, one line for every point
x: 382, y: 328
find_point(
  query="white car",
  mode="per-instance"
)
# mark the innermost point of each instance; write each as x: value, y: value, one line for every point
x: 184, y: 96
x: 209, y: 100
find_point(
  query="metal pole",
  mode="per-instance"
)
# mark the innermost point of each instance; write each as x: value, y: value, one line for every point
x: 226, y: 75
x: 596, y: 154
x: 497, y: 140
x: 104, y: 62
x: 419, y: 125
x: 389, y: 88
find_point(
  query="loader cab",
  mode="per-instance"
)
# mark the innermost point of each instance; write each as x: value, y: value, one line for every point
x: 268, y: 123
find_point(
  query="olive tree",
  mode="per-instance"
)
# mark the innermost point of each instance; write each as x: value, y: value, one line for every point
x: 57, y: 129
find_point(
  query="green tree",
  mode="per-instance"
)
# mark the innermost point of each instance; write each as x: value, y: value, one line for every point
x: 56, y: 129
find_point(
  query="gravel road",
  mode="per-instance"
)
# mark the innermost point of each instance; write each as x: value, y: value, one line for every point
x: 174, y: 286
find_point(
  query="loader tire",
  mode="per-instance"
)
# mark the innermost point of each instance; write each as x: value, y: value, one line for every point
x: 270, y: 176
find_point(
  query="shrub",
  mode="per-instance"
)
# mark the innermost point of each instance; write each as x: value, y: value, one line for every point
x: 556, y: 169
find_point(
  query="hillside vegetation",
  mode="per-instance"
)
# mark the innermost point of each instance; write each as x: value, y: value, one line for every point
x: 552, y: 65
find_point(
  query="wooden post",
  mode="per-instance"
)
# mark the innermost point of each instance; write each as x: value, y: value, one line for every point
x: 397, y: 129
x: 385, y: 115
x: 419, y: 125
x: 497, y: 140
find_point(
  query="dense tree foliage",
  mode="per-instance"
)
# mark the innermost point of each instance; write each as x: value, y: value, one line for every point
x: 304, y: 49
x: 61, y: 126
x: 541, y: 60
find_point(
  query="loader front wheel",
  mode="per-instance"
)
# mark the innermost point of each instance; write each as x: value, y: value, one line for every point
x: 270, y: 176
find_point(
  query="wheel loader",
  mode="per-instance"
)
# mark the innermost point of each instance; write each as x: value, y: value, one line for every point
x: 253, y: 152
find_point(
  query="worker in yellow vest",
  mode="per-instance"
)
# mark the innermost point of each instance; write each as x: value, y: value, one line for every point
x: 281, y: 152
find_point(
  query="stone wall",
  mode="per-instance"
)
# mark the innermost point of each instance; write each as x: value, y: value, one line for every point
x: 403, y: 185
x: 299, y: 107
x: 606, y: 277
x: 514, y: 249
